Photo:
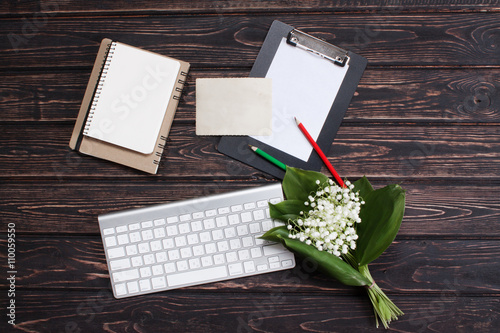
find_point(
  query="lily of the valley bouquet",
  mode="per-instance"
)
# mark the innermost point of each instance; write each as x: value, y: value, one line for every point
x: 342, y: 228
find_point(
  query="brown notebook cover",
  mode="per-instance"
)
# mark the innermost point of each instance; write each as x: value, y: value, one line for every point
x: 108, y: 151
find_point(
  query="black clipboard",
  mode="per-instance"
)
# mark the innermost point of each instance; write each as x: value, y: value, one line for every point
x: 238, y: 147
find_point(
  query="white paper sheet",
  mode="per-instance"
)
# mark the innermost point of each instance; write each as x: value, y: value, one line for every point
x: 134, y: 98
x: 304, y: 86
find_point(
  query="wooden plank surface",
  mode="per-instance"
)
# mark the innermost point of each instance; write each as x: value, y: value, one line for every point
x: 425, y: 115
x: 385, y: 95
x: 389, y: 40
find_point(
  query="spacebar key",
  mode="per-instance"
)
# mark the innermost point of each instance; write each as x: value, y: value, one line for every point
x: 198, y: 276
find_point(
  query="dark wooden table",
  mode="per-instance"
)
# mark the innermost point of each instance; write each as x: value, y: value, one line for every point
x: 426, y: 115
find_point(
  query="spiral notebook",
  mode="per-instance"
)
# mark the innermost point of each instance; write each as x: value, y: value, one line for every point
x: 129, y: 106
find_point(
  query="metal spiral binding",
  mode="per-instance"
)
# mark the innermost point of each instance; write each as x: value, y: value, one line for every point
x: 158, y: 154
x: 100, y: 84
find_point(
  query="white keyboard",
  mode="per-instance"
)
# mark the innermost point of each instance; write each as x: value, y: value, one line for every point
x: 191, y: 242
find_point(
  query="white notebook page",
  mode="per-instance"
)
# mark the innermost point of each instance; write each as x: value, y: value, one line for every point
x: 134, y: 97
x: 304, y: 86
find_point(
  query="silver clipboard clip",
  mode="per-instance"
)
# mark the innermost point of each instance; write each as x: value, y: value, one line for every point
x: 317, y: 46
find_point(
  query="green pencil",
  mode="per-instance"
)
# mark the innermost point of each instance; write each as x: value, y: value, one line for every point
x: 268, y: 157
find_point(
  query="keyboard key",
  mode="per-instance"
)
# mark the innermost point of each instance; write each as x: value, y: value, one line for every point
x: 209, y: 223
x: 121, y: 228
x: 223, y: 246
x: 108, y: 231
x: 275, y: 200
x: 236, y: 208
x: 147, y: 224
x: 219, y: 259
x: 159, y: 282
x: 242, y: 230
x: 145, y: 271
x: 186, y: 253
x: 159, y: 232
x: 273, y: 259
x: 133, y: 287
x: 230, y: 232
x: 254, y: 228
x: 137, y: 261
x: 206, y: 261
x: 258, y: 215
x: 155, y: 245
x: 202, y: 275
x: 205, y: 237
x: 159, y: 222
x: 135, y: 237
x: 211, y: 212
x: 221, y: 221
x: 233, y: 219
x: 169, y: 268
x: 244, y: 254
x: 235, y: 244
x: 132, y: 227
x: 274, y: 265
x: 198, y: 215
x: 145, y: 285
x: 119, y: 264
x: 246, y: 217
x: 147, y: 234
x: 231, y: 256
x: 172, y: 219
x: 247, y: 241
x: 185, y: 217
x: 196, y: 226
x: 249, y: 205
x: 131, y: 274
x: 256, y: 252
x: 273, y: 249
x: 157, y: 269
x: 223, y: 210
x: 161, y: 256
x: 262, y: 267
x: 131, y: 250
x: 210, y: 248
x: 287, y: 263
x: 235, y: 269
x: 198, y: 250
x: 168, y: 243
x: 217, y: 234
x: 110, y: 241
x: 262, y: 203
x: 172, y: 230
x: 180, y: 241
x: 182, y: 265
x: 192, y: 239
x: 173, y: 255
x: 149, y: 259
x: 116, y: 253
x: 184, y: 228
x: 267, y: 225
x: 143, y: 247
x: 194, y: 263
x: 120, y: 289
x: 122, y: 239
x: 249, y: 266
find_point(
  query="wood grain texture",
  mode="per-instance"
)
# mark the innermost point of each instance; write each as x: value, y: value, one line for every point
x: 234, y: 41
x: 388, y: 95
x: 96, y: 311
x: 68, y: 207
x: 408, y: 266
x: 34, y: 150
x: 56, y: 7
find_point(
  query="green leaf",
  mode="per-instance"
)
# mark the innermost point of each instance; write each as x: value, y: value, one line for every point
x: 298, y: 184
x: 363, y: 186
x: 287, y: 210
x: 328, y: 263
x: 381, y: 217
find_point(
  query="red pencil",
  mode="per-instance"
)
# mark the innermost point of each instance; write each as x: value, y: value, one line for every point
x: 320, y: 153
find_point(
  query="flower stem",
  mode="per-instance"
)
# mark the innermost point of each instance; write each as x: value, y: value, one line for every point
x: 383, y: 307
